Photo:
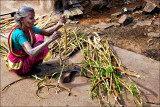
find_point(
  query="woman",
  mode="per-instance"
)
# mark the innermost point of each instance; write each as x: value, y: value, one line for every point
x: 26, y: 50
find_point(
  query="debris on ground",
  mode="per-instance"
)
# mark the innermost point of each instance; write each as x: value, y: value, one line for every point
x: 153, y: 35
x: 142, y: 23
x: 125, y: 20
x: 157, y: 22
x: 102, y: 25
x: 115, y: 15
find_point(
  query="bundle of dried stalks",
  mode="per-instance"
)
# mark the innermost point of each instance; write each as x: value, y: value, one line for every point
x: 44, y: 21
x: 106, y: 72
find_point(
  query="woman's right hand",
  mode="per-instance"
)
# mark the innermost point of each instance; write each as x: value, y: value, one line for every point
x: 55, y: 35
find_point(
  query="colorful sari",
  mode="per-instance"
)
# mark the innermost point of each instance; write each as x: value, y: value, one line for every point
x: 19, y: 61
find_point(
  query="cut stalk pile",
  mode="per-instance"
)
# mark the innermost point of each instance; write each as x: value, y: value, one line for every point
x: 104, y: 68
x: 107, y: 75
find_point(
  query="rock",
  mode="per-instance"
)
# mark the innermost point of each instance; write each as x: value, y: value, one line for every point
x: 122, y: 19
x: 150, y: 44
x: 115, y: 15
x: 71, y: 2
x: 68, y: 21
x: 125, y: 20
x: 156, y: 2
x: 72, y: 12
x: 101, y: 33
x: 68, y: 14
x: 85, y: 3
x: 157, y: 31
x: 149, y: 7
x: 136, y: 8
x: 102, y: 25
x: 74, y: 22
x: 157, y: 22
x: 142, y: 23
x: 76, y: 11
x: 116, y: 24
x: 149, y: 41
x: 138, y: 12
x: 95, y: 4
x: 154, y: 35
x: 131, y: 9
x: 150, y: 29
x: 79, y: 6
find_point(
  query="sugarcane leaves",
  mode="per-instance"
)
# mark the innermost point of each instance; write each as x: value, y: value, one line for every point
x: 134, y: 91
x: 92, y: 96
x: 117, y: 83
x: 93, y: 79
x: 110, y: 69
x: 85, y: 52
x: 104, y: 87
x: 80, y: 34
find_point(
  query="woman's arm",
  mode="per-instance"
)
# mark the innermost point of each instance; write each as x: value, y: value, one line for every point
x: 51, y: 30
x: 35, y: 51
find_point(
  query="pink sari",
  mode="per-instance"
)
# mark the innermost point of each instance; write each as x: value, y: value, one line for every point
x: 20, y: 62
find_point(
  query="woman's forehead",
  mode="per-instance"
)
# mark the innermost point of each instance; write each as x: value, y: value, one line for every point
x: 31, y: 13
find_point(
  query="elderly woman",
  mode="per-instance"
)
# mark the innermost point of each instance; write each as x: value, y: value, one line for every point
x: 26, y: 49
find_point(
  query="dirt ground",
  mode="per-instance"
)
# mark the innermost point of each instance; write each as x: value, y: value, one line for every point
x: 141, y: 56
x: 126, y: 37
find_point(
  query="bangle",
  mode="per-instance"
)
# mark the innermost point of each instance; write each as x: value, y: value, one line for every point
x: 59, y: 25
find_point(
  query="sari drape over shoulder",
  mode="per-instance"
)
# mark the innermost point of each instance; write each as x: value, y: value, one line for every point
x: 19, y: 61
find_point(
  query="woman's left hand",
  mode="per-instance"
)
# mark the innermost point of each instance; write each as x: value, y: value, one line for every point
x: 62, y: 20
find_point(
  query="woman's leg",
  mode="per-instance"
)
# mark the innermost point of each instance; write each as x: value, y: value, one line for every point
x: 29, y: 61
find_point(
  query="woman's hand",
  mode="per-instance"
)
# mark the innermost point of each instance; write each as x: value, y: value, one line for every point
x: 55, y: 35
x: 62, y: 20
x: 36, y: 50
x: 51, y: 30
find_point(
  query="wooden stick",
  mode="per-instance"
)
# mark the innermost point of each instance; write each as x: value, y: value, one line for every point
x: 99, y: 82
x: 65, y: 39
x: 127, y: 73
x: 115, y: 92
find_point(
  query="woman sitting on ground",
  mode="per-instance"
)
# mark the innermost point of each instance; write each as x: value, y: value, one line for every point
x: 26, y: 49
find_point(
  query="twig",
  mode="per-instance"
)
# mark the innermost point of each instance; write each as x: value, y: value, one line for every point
x: 7, y: 86
x: 127, y: 73
x: 65, y: 53
x: 153, y: 103
x: 99, y: 82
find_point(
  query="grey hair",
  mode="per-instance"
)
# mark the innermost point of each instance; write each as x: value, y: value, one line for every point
x: 22, y: 12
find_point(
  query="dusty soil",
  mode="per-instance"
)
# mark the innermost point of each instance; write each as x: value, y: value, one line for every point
x: 126, y: 37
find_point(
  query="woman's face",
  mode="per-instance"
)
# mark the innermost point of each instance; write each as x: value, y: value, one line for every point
x: 29, y: 20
